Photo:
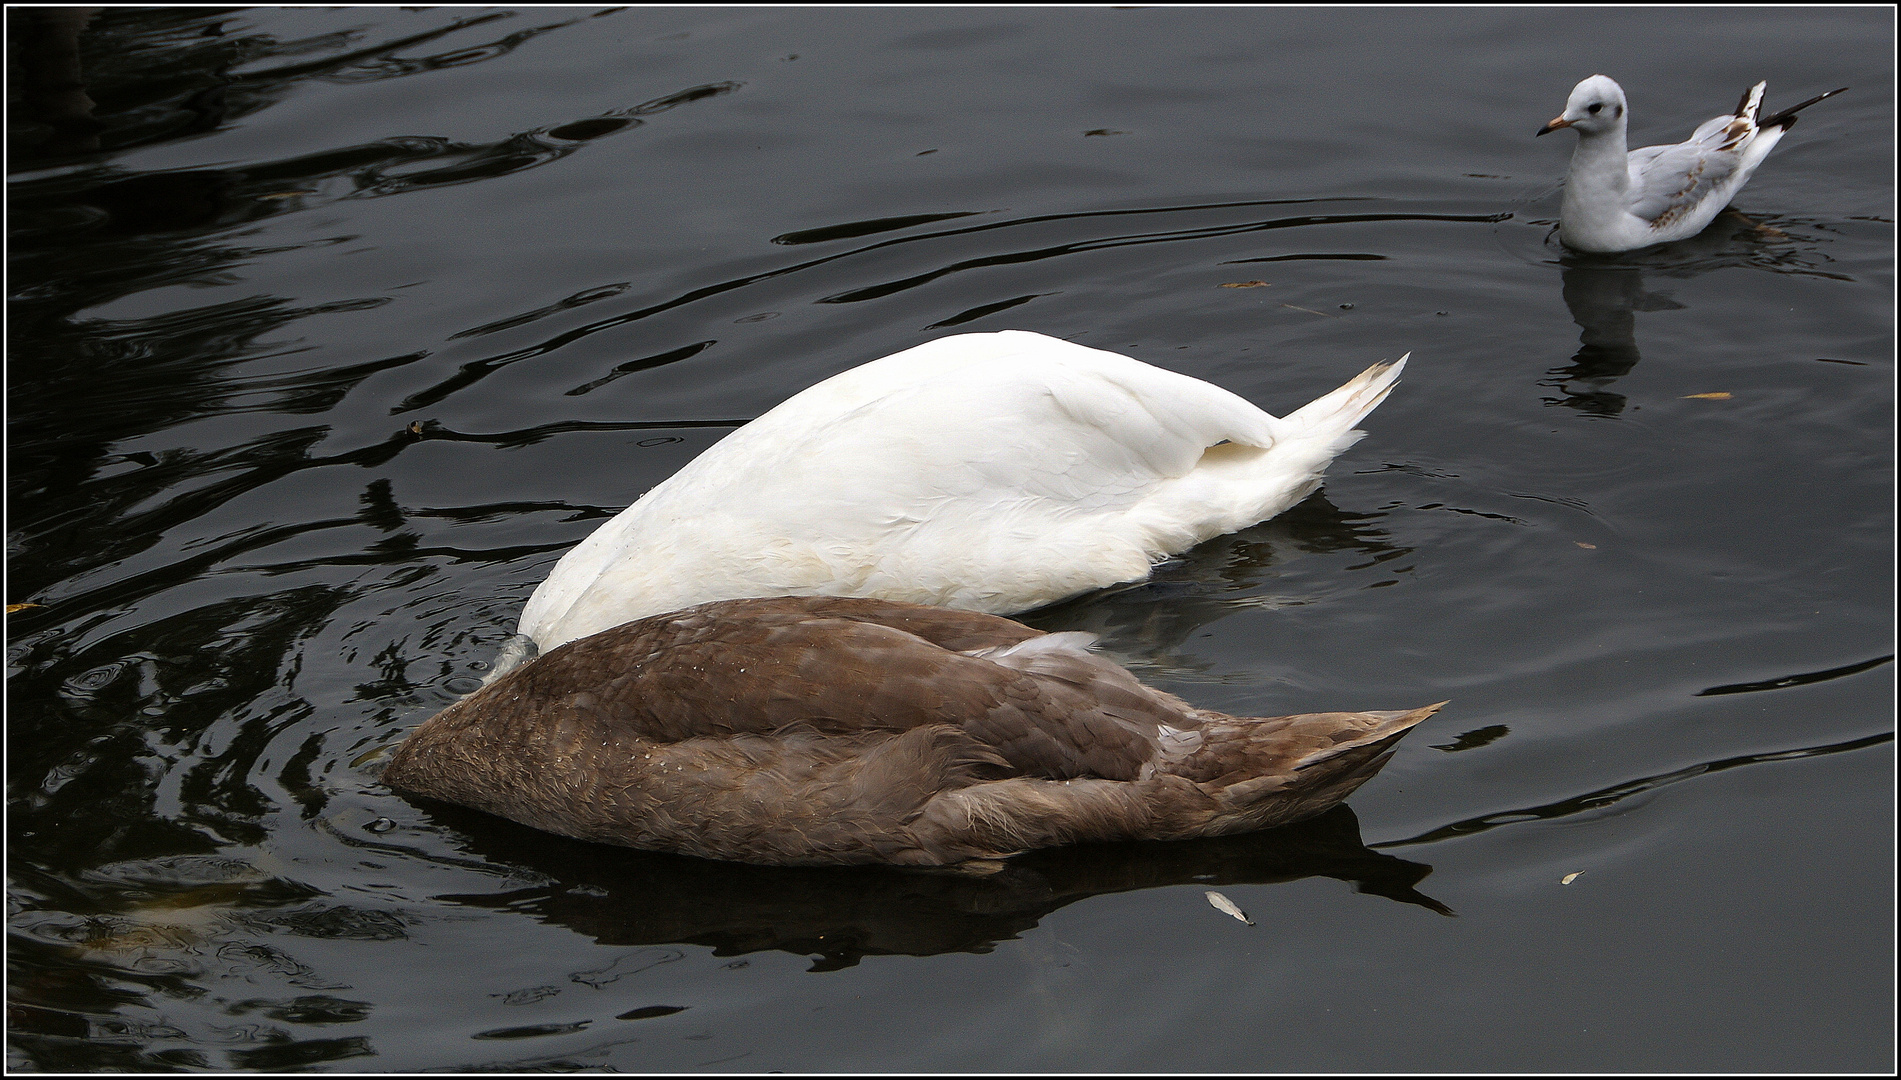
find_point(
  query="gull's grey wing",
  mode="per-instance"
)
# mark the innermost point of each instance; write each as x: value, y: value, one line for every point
x: 1641, y: 158
x: 1676, y: 179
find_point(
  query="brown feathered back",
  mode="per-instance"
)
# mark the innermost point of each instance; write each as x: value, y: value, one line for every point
x: 830, y: 730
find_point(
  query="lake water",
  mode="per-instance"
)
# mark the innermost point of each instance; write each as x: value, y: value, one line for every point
x: 332, y: 328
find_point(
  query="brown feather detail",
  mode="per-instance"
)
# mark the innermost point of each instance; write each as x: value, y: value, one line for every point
x: 826, y: 731
x: 1680, y: 208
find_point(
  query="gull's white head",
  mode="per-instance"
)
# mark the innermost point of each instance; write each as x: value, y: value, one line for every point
x: 1596, y: 106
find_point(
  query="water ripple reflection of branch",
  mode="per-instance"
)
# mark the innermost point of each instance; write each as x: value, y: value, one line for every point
x: 1604, y: 797
x: 475, y: 371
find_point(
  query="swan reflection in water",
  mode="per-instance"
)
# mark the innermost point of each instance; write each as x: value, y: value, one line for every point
x: 838, y: 916
x: 1149, y: 625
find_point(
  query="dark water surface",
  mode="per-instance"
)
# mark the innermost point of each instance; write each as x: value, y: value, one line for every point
x: 331, y: 329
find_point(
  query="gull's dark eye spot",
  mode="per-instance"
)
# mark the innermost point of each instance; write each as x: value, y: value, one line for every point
x: 1595, y: 109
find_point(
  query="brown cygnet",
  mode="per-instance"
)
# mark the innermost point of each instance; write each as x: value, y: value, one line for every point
x: 825, y: 730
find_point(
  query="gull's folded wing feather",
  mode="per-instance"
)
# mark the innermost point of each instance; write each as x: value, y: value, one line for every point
x: 1676, y: 180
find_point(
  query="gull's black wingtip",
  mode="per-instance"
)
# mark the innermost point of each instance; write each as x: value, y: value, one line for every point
x: 1786, y: 118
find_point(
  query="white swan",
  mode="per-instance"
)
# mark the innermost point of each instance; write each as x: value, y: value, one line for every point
x: 1617, y: 199
x: 988, y: 472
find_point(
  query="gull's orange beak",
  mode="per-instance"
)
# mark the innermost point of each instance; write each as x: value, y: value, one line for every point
x: 1553, y: 126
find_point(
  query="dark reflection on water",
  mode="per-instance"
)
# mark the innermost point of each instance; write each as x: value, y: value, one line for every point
x: 1604, y: 293
x: 1150, y: 621
x: 1805, y: 679
x: 1610, y: 796
x: 1604, y: 303
x: 841, y: 916
x: 1301, y: 221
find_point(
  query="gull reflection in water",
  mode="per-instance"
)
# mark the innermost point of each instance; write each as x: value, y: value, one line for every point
x: 1603, y: 301
x: 1604, y: 293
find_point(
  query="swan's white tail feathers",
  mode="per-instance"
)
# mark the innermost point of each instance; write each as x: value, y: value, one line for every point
x: 1347, y: 406
x: 1232, y: 487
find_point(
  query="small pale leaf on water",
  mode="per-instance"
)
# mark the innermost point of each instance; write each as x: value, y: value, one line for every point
x: 1569, y: 878
x: 11, y: 608
x: 1582, y: 544
x: 1244, y: 285
x: 1719, y: 395
x: 1226, y: 907
x: 1310, y: 311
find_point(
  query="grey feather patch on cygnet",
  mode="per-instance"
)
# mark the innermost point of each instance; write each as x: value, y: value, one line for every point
x: 824, y: 730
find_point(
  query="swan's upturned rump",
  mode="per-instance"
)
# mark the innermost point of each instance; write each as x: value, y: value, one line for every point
x: 988, y: 472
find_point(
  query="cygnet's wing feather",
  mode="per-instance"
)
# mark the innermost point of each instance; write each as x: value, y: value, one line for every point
x: 946, y: 628
x: 1053, y: 711
x: 972, y: 472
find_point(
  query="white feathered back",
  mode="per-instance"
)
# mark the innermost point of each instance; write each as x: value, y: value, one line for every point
x: 989, y: 472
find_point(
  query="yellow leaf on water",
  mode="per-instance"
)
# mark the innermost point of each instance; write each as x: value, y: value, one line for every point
x: 1720, y: 395
x: 1569, y: 878
x: 11, y: 608
x: 1244, y: 285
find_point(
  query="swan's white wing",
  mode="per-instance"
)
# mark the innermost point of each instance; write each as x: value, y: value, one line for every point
x: 1185, y: 399
x: 966, y: 477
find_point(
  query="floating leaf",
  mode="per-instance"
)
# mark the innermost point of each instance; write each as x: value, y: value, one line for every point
x: 1226, y: 907
x: 1569, y: 878
x: 1582, y: 544
x: 1720, y: 395
x: 11, y: 608
x: 1244, y: 285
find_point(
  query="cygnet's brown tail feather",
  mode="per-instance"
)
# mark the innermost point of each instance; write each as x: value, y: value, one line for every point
x: 1250, y: 773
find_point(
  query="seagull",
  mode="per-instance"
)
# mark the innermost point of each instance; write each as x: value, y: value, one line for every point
x: 1616, y: 200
